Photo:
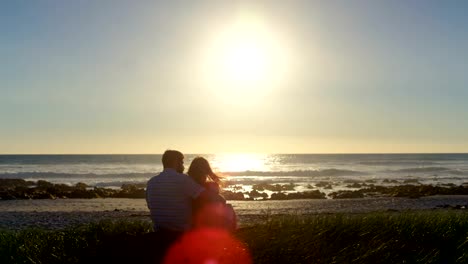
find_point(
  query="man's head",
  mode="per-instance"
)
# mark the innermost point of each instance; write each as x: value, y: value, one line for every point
x: 173, y: 159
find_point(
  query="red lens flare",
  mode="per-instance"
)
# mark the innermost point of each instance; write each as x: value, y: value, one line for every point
x: 208, y: 246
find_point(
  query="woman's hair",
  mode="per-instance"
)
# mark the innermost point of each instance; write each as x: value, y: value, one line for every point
x: 200, y: 169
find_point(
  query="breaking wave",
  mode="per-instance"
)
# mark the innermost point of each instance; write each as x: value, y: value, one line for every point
x: 324, y: 172
x: 432, y: 170
x: 52, y: 175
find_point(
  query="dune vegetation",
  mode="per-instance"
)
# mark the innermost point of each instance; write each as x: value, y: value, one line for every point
x: 388, y: 237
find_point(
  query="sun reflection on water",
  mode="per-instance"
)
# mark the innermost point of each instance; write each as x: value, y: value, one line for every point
x: 240, y: 162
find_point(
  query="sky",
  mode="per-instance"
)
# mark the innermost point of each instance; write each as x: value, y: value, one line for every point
x: 85, y: 77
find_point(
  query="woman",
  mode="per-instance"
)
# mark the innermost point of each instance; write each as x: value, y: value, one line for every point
x: 210, y: 209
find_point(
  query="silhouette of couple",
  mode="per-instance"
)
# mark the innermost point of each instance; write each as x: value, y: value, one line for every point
x: 179, y: 203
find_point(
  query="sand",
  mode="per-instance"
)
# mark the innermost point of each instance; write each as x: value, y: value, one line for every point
x: 62, y: 213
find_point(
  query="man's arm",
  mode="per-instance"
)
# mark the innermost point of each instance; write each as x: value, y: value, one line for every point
x: 191, y: 188
x: 211, y: 196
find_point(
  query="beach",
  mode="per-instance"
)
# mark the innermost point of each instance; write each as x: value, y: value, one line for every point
x: 62, y: 213
x: 80, y: 189
x: 336, y: 131
x: 291, y: 209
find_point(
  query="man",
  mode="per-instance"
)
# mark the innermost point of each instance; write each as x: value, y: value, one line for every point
x: 169, y: 195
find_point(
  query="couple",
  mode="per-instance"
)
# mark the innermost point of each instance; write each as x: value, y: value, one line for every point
x: 179, y: 202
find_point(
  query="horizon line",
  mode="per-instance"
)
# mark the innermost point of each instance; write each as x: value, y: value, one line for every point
x: 237, y: 153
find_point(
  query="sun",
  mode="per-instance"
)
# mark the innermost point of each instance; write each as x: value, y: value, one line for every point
x: 245, y: 62
x: 243, y: 57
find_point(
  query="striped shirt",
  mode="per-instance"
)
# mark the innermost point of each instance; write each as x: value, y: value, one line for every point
x: 169, y: 196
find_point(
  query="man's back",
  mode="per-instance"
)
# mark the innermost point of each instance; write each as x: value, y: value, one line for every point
x: 169, y: 196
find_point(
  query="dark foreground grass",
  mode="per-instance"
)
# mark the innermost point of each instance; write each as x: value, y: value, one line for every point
x: 409, y: 237
x: 72, y: 245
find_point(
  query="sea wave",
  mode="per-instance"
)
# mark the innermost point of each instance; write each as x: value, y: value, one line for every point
x: 432, y: 170
x: 397, y: 163
x: 324, y: 172
x: 53, y: 175
x: 423, y: 169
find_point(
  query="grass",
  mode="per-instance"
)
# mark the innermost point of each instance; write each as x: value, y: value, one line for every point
x: 408, y: 237
x: 71, y: 245
x: 411, y: 237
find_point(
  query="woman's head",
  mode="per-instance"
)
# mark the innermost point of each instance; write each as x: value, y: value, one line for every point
x: 200, y: 169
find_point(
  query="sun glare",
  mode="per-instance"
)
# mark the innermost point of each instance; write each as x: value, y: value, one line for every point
x: 239, y: 162
x: 245, y: 62
x: 244, y: 57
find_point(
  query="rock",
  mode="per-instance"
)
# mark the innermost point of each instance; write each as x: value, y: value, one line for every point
x: 229, y: 195
x: 44, y: 184
x: 236, y: 187
x: 346, y: 194
x: 81, y: 186
x: 6, y: 184
x: 390, y: 181
x: 322, y: 184
x: 4, y: 195
x: 278, y: 196
x: 351, y: 181
x: 256, y: 194
x: 412, y: 181
x: 273, y: 187
x: 131, y: 192
x: 354, y: 185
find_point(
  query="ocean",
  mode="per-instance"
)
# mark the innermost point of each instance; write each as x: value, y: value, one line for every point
x: 324, y: 172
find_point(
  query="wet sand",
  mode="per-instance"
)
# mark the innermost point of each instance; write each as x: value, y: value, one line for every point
x: 61, y: 213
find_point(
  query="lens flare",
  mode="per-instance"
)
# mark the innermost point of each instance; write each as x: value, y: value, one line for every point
x: 208, y: 245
